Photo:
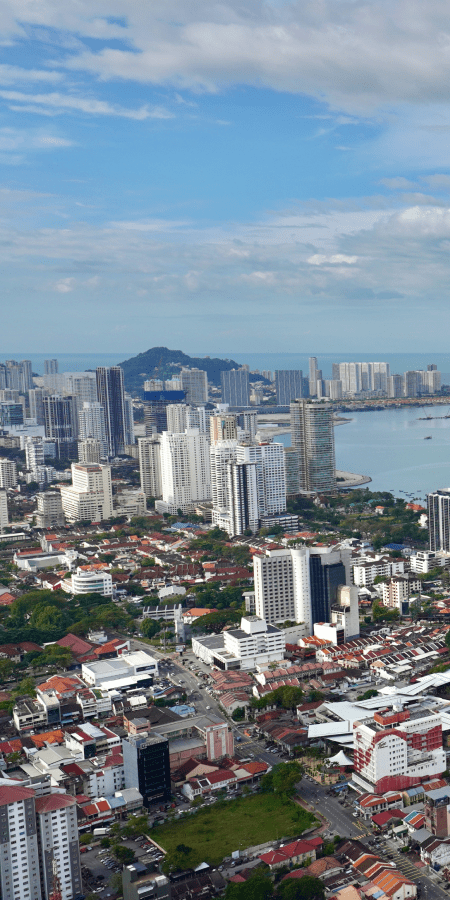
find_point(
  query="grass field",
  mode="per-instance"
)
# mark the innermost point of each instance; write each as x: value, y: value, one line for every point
x: 233, y: 825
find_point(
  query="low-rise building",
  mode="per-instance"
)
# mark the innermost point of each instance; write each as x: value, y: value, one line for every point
x: 254, y: 644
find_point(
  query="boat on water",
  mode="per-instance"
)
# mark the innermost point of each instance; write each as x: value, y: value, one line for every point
x: 428, y: 437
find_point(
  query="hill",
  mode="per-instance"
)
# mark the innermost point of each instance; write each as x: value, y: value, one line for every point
x: 162, y: 363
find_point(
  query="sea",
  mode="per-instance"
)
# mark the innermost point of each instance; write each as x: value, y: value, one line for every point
x: 389, y: 445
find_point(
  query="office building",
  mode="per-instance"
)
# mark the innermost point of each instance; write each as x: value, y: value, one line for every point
x: 4, y: 520
x: 150, y: 465
x: 90, y: 451
x: 11, y: 413
x: 289, y: 385
x: 49, y: 510
x: 254, y: 643
x: 195, y: 384
x: 90, y: 494
x: 16, y: 375
x: 36, y: 405
x: 300, y: 584
x: 235, y: 387
x: 176, y: 417
x: 185, y: 470
x: 223, y: 427
x: 147, y: 766
x: 155, y: 409
x: 248, y: 423
x: 397, y: 748
x: 312, y: 433
x: 439, y: 519
x: 8, y: 473
x: 57, y: 828
x: 60, y: 424
x: 111, y: 396
x: 51, y: 367
x: 129, y: 421
x: 282, y: 586
x: 82, y: 386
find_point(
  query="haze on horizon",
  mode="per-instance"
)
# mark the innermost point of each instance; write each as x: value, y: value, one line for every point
x: 257, y: 176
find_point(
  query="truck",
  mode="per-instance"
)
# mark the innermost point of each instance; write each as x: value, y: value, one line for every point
x: 100, y: 832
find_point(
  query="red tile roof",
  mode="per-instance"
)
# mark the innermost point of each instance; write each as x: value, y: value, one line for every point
x: 14, y: 794
x: 53, y: 802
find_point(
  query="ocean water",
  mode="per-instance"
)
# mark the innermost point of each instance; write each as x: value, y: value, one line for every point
x: 389, y: 445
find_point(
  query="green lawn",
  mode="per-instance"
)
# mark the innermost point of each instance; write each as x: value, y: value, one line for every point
x: 233, y: 825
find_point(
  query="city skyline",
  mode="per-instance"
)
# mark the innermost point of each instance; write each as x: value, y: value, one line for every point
x: 267, y: 177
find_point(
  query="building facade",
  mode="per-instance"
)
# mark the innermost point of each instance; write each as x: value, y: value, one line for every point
x: 235, y: 387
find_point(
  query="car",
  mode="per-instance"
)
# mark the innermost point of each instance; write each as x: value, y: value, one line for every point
x: 208, y: 707
x: 355, y: 815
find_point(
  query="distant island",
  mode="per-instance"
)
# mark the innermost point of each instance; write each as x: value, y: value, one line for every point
x: 160, y: 362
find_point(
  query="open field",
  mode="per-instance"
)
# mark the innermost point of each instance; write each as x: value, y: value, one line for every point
x: 233, y: 825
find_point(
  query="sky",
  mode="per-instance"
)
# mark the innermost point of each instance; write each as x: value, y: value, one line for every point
x: 224, y: 176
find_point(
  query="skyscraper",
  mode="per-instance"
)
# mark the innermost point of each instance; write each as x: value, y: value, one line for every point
x: 19, y: 851
x: 155, y: 409
x: 60, y: 424
x: 248, y: 423
x: 150, y: 465
x: 313, y: 376
x: 4, y: 520
x: 185, y: 470
x: 235, y: 387
x: 289, y: 385
x: 313, y: 435
x: 223, y: 427
x: 8, y: 473
x: 58, y: 843
x: 176, y: 417
x: 242, y: 492
x: 439, y: 519
x: 147, y: 766
x: 195, y: 383
x: 36, y: 405
x: 111, y: 396
x: 90, y: 451
x: 91, y: 424
x: 51, y: 367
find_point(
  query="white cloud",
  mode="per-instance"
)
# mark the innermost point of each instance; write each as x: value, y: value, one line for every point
x: 60, y: 103
x: 319, y: 259
x: 65, y: 286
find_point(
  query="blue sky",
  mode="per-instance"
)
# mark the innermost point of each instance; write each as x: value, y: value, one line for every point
x: 242, y: 176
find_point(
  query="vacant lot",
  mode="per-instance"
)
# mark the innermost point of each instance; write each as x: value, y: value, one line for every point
x: 233, y: 825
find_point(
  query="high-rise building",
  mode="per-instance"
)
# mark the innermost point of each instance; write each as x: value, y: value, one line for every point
x: 362, y: 376
x: 242, y: 512
x: 60, y: 424
x: 49, y: 509
x: 51, y: 367
x: 129, y: 420
x: 395, y: 386
x: 19, y: 849
x: 397, y: 748
x: 223, y: 427
x: 289, y: 385
x: 410, y: 384
x: 313, y: 376
x: 248, y: 423
x: 300, y: 584
x: 198, y: 417
x: 185, y: 470
x: 91, y: 424
x: 195, y: 383
x: 282, y: 586
x: 58, y: 842
x: 312, y: 433
x: 8, y: 473
x: 333, y: 389
x: 292, y: 465
x: 439, y: 519
x: 155, y: 409
x: 17, y: 375
x: 4, y: 520
x: 111, y: 396
x: 34, y: 451
x: 235, y: 387
x: 11, y: 413
x: 36, y: 405
x: 150, y: 465
x: 90, y: 451
x: 222, y: 452
x: 268, y: 458
x: 90, y: 494
x: 176, y: 417
x: 147, y: 766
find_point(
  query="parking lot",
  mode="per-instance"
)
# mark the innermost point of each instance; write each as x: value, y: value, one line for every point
x: 99, y: 864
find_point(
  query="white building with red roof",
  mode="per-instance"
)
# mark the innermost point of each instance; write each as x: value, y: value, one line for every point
x: 56, y: 816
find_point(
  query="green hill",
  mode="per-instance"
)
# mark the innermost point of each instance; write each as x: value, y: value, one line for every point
x: 162, y: 363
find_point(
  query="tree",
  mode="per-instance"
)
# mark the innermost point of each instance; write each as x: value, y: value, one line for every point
x: 123, y: 854
x: 282, y: 779
x: 85, y: 839
x: 258, y: 887
x: 26, y: 688
x: 6, y: 669
x: 150, y: 628
x: 306, y: 888
x: 215, y: 622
